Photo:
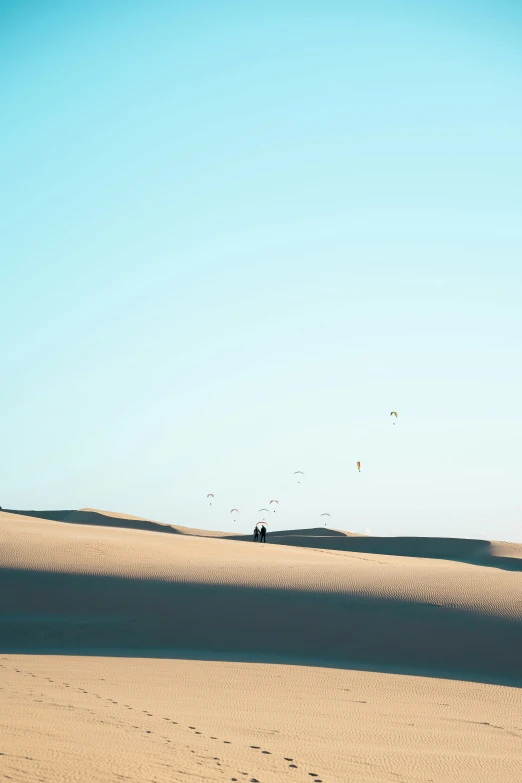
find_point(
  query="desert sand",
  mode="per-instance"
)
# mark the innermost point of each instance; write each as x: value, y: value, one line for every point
x: 131, y: 650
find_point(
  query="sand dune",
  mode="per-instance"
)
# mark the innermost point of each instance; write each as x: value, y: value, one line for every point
x: 97, y: 588
x: 131, y: 653
x: 463, y: 550
x: 493, y: 553
x: 92, y: 516
x: 139, y: 719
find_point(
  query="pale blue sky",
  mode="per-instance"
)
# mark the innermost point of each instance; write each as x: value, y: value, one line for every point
x: 235, y: 236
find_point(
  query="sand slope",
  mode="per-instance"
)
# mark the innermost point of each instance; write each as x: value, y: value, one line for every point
x: 136, y: 719
x: 88, y: 588
x: 199, y: 640
x: 480, y: 552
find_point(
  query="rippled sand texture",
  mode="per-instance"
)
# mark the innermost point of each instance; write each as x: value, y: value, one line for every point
x: 138, y: 616
x: 109, y: 719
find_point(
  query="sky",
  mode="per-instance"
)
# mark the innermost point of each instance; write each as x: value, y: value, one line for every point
x: 235, y: 236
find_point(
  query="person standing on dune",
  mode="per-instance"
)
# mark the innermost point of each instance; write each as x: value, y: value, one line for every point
x: 263, y: 535
x: 256, y: 533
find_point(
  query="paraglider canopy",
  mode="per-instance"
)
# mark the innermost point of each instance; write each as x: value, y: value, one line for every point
x: 359, y: 467
x: 274, y: 501
x: 298, y: 473
x: 394, y: 413
x: 210, y: 495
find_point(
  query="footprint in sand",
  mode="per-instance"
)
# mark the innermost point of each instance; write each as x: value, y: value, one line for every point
x: 256, y: 747
x: 266, y: 752
x: 287, y: 759
x: 293, y: 766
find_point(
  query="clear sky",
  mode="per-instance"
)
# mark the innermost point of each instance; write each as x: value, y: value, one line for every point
x: 234, y: 236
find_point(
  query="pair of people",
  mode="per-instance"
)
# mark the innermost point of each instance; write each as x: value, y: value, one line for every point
x: 260, y: 535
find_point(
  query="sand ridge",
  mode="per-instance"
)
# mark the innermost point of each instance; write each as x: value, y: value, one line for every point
x: 42, y: 545
x: 128, y: 653
x: 501, y: 554
x: 93, y: 588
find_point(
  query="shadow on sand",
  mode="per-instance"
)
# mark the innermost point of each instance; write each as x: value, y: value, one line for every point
x: 45, y: 612
x: 461, y: 550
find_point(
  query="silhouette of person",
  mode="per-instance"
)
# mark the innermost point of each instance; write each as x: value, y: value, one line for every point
x: 263, y: 535
x: 256, y: 533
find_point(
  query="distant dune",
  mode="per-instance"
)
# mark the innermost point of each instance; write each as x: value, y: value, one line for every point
x: 85, y: 586
x: 466, y: 550
x: 91, y: 516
